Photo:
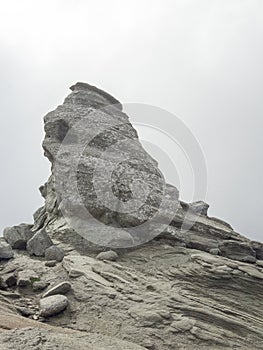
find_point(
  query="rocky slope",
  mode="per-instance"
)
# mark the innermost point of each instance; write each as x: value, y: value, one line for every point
x: 110, y: 266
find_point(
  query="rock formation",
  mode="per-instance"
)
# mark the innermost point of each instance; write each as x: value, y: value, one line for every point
x: 108, y: 263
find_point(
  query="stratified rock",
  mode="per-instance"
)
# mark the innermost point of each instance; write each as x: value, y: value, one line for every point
x: 258, y: 247
x: 17, y: 236
x: 54, y: 253
x: 53, y: 305
x: 108, y: 255
x: 38, y: 244
x: 237, y: 250
x: 195, y: 241
x: 61, y: 288
x: 251, y: 271
x: 6, y: 251
x: 249, y: 259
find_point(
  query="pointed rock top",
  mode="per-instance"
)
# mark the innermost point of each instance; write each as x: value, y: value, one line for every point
x: 90, y: 89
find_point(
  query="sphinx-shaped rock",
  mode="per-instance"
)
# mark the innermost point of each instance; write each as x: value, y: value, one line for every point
x: 99, y: 168
x: 107, y: 189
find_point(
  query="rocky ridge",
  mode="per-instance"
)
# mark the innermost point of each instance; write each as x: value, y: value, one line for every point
x: 148, y: 285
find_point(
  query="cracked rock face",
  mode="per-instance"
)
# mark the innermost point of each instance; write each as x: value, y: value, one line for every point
x: 170, y: 288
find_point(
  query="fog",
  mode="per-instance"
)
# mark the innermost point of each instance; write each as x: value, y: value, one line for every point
x: 199, y: 60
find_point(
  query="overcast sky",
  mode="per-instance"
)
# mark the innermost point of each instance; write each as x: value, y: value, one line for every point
x: 200, y: 60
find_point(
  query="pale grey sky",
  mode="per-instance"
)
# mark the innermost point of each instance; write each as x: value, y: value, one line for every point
x: 200, y: 60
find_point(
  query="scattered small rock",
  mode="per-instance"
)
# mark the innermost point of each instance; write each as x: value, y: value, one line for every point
x: 108, y: 255
x: 54, y: 253
x: 150, y: 287
x: 61, y: 288
x: 17, y: 236
x: 38, y: 244
x: 74, y: 273
x: 182, y: 324
x: 53, y: 305
x: 146, y: 318
x: 9, y: 279
x: 39, y: 285
x: 51, y: 263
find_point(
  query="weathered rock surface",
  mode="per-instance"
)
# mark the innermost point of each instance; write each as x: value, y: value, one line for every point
x: 53, y: 305
x: 38, y: 244
x: 196, y: 288
x: 17, y: 236
x: 33, y: 338
x: 237, y: 250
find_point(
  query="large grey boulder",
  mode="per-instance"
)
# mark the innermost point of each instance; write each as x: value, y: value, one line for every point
x: 6, y: 251
x: 53, y: 305
x: 54, y: 253
x: 38, y: 244
x: 17, y: 236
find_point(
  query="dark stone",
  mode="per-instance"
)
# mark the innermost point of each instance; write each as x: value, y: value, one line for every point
x: 17, y: 236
